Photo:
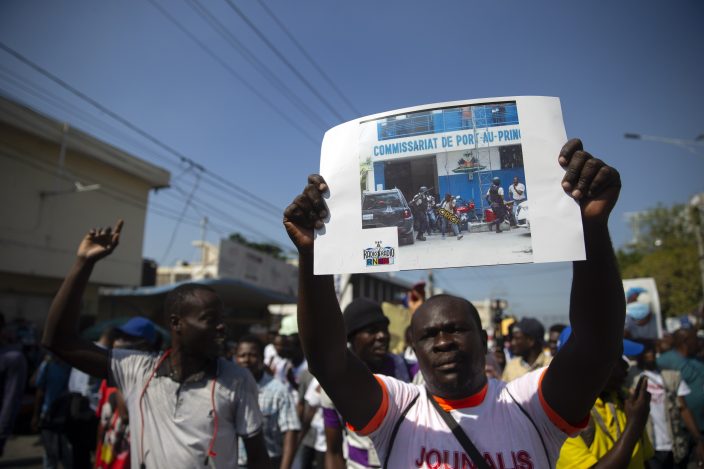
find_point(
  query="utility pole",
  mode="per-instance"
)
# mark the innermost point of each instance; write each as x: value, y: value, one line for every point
x: 203, y: 247
x: 697, y: 214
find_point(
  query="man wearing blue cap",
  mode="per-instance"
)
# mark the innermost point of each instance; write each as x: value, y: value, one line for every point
x: 190, y: 405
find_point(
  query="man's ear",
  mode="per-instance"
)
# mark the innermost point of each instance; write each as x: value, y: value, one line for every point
x: 175, y: 322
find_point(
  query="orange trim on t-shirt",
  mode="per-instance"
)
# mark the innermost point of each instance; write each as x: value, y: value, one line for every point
x: 470, y: 401
x: 378, y: 417
x: 555, y: 418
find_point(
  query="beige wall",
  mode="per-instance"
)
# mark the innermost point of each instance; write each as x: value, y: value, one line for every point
x: 39, y: 235
x: 29, y: 297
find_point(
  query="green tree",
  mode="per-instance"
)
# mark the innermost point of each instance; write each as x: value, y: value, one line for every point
x: 665, y: 248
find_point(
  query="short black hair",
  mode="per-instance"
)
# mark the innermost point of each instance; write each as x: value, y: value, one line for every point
x: 252, y: 339
x: 470, y: 307
x: 557, y: 328
x: 177, y: 299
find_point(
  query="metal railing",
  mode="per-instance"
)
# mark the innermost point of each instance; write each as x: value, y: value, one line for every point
x: 447, y: 120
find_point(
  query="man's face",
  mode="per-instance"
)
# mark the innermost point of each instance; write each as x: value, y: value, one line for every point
x: 515, y: 181
x: 521, y: 344
x: 249, y: 356
x: 552, y: 342
x: 279, y: 345
x: 648, y: 360
x: 201, y: 328
x: 371, y: 344
x: 450, y: 346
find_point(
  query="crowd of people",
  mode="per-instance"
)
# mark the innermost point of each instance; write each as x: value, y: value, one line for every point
x: 329, y: 388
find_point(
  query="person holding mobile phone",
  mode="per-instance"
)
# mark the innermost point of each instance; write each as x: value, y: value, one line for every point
x: 615, y: 436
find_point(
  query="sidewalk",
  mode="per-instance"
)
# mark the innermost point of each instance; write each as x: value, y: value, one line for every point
x: 22, y: 451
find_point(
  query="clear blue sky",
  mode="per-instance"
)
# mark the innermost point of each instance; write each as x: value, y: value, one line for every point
x: 617, y: 66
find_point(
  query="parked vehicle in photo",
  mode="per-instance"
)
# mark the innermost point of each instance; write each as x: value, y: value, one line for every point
x: 388, y: 208
x: 522, y: 219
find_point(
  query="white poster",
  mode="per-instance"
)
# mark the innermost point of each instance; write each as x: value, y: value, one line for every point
x: 453, y: 184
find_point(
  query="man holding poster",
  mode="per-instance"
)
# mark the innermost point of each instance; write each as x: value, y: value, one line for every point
x: 523, y: 423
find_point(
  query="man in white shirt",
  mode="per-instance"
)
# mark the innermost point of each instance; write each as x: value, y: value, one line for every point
x: 520, y: 424
x: 517, y: 191
x: 188, y: 403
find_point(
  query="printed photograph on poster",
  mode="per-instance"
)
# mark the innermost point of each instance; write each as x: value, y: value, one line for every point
x: 448, y: 185
x: 643, y: 316
x: 447, y: 174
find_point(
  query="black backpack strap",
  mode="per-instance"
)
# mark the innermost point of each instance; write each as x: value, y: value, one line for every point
x: 397, y: 425
x: 540, y: 435
x: 461, y: 436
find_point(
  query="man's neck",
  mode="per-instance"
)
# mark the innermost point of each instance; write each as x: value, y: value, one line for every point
x: 184, y: 365
x: 461, y: 392
x: 531, y: 356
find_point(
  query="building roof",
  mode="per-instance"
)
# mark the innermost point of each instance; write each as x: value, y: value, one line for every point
x: 31, y: 121
x: 234, y: 293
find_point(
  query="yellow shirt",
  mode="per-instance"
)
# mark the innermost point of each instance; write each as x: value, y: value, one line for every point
x: 399, y: 319
x: 517, y: 367
x: 576, y: 454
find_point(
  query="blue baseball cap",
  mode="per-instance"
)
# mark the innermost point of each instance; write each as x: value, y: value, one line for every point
x: 630, y: 348
x: 140, y: 327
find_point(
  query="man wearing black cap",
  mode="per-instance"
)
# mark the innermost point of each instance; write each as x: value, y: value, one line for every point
x: 367, y: 332
x: 517, y: 424
x: 527, y: 341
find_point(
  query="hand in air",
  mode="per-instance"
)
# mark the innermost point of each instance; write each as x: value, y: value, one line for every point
x: 100, y: 242
x: 590, y: 181
x: 306, y: 213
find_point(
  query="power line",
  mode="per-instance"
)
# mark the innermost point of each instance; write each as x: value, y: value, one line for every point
x: 233, y: 72
x: 310, y: 59
x: 37, y: 91
x: 140, y: 204
x: 288, y: 64
x: 45, y: 95
x: 250, y: 57
x: 223, y: 215
x: 180, y: 156
x: 111, y: 191
x: 178, y: 222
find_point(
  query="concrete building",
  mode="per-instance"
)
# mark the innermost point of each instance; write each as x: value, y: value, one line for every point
x: 56, y: 182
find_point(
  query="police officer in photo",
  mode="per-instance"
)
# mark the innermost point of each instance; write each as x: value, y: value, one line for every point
x: 419, y: 204
x: 495, y: 197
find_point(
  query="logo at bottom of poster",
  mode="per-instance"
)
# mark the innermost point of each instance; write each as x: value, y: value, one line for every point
x: 379, y: 255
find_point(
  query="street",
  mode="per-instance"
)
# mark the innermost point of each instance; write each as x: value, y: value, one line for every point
x: 486, y: 248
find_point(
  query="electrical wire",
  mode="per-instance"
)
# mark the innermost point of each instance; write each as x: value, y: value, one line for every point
x: 178, y: 155
x: 254, y: 61
x: 174, y: 232
x: 286, y: 62
x: 234, y: 73
x: 303, y: 51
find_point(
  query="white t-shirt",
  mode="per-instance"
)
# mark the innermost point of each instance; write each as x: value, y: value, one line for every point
x: 491, y: 419
x: 513, y: 191
x: 178, y: 417
x: 313, y: 399
x: 658, y: 412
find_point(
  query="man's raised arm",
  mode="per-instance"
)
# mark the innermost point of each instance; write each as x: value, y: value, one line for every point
x: 597, y: 306
x: 343, y: 376
x: 61, y: 329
